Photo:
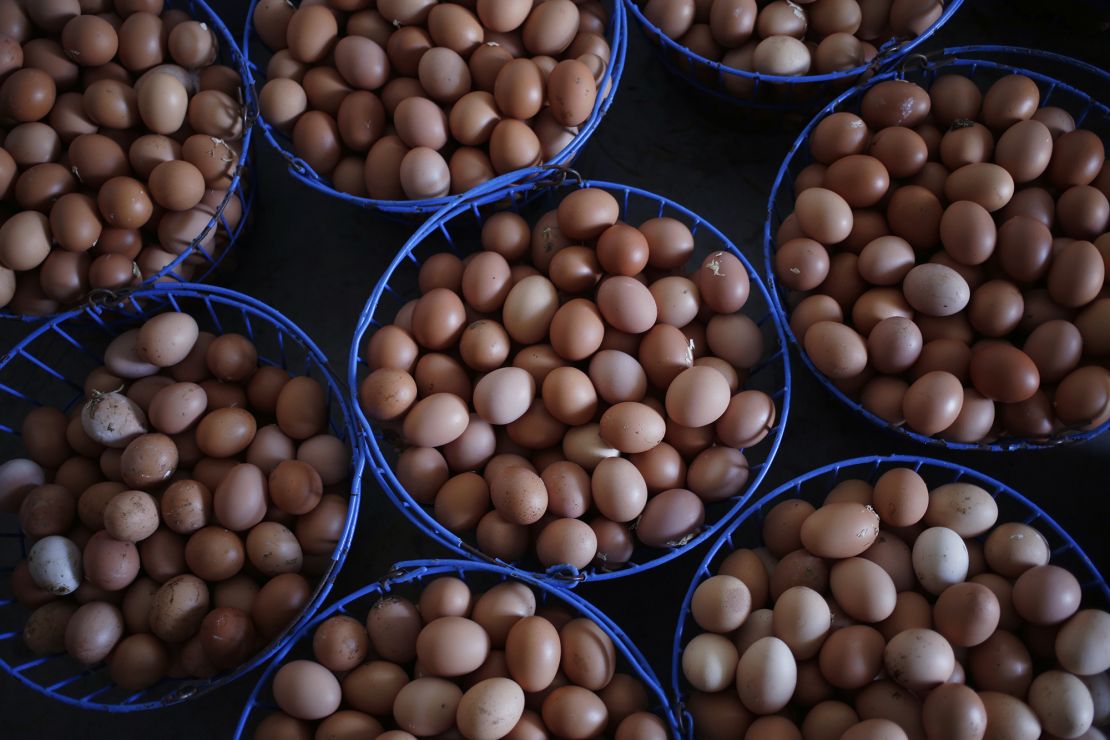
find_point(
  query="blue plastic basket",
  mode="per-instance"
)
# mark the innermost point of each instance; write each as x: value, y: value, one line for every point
x: 456, y: 228
x: 48, y: 367
x: 814, y: 485
x: 773, y: 92
x: 482, y: 574
x: 982, y: 64
x: 408, y: 210
x: 204, y: 261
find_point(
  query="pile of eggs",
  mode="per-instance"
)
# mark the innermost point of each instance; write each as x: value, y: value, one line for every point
x: 415, y: 99
x: 460, y: 663
x: 946, y: 260
x: 570, y: 389
x: 177, y: 519
x: 787, y: 39
x: 121, y: 141
x: 894, y: 611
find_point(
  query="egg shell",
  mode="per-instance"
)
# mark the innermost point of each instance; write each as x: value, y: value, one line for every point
x: 1009, y: 717
x: 940, y: 559
x: 933, y: 402
x: 851, y: 656
x: 840, y: 530
x: 671, y: 518
x: 632, y: 427
x: 529, y: 308
x: 519, y: 495
x: 618, y: 489
x: 427, y: 706
x: 919, y: 659
x: 1046, y: 595
x: 93, y: 631
x: 766, y: 676
x: 572, y: 92
x: 709, y: 662
x: 550, y: 30
x: 967, y: 613
x: 863, y: 589
x: 239, y: 501
x: 588, y: 656
x: 965, y: 508
x: 533, y: 652
x: 502, y: 606
x: 801, y: 621
x: 1062, y: 703
x: 837, y: 350
x: 306, y: 690
x: 721, y: 603
x: 112, y: 419
x: 1081, y: 645
x: 572, y: 711
x: 895, y: 103
x: 131, y: 516
x: 490, y: 709
x: 55, y: 565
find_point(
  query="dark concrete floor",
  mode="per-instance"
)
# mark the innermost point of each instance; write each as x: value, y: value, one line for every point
x: 317, y: 260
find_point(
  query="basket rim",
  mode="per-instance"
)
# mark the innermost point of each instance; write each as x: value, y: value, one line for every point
x: 889, y: 53
x: 243, y: 179
x: 564, y: 575
x: 303, y: 172
x: 941, y: 59
x: 407, y: 571
x: 193, y: 688
x: 870, y: 461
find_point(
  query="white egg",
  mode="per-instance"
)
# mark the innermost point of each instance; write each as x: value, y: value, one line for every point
x: 939, y: 559
x: 55, y: 565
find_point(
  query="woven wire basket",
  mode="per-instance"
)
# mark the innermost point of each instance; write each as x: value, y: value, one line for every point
x: 982, y: 64
x: 48, y: 368
x: 219, y: 236
x: 406, y: 575
x: 813, y: 486
x: 772, y: 92
x: 456, y: 229
x: 408, y: 210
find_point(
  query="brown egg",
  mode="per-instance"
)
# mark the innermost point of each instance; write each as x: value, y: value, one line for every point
x: 272, y: 549
x: 576, y: 329
x: 178, y: 608
x: 859, y: 179
x: 1010, y: 99
x: 894, y: 345
x: 901, y: 151
x: 1003, y: 373
x: 914, y: 214
x: 566, y: 541
x: 1046, y: 594
x: 93, y: 631
x: 933, y: 402
x: 1076, y: 158
x: 895, y: 103
x: 627, y: 304
x: 801, y: 264
x: 837, y: 350
x: 461, y: 502
x: 227, y: 636
x: 670, y: 518
x: 293, y: 680
x: 996, y: 308
x: 226, y: 432
x: 519, y: 495
x: 1076, y: 274
x: 278, y: 602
